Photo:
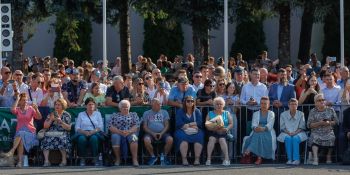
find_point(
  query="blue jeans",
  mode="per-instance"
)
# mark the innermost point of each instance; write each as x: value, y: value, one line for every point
x: 292, y: 147
x: 84, y: 142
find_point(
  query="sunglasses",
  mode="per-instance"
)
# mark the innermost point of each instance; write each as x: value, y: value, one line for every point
x: 141, y: 83
x: 19, y: 74
x: 7, y: 72
x: 147, y: 78
x: 210, y: 85
x: 189, y: 101
x: 198, y: 76
x: 222, y: 84
x: 321, y: 100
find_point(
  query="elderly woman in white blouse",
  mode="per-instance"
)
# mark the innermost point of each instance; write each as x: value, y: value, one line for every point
x: 292, y: 125
x: 87, y: 126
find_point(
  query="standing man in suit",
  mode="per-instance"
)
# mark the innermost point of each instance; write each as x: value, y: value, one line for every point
x: 280, y: 93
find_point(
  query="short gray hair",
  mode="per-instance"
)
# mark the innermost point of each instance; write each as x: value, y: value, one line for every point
x: 218, y: 99
x: 124, y: 102
x: 118, y: 78
x: 318, y: 96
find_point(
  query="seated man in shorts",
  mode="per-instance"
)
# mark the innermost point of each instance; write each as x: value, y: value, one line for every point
x: 156, y: 127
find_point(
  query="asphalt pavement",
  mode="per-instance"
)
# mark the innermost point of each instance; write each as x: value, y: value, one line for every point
x: 236, y: 169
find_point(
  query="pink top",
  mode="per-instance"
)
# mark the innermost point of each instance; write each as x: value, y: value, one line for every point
x: 26, y: 119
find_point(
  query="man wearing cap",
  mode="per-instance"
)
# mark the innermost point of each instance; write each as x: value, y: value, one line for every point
x: 238, y: 79
x: 117, y: 92
x: 156, y: 127
x: 178, y: 93
x: 75, y: 89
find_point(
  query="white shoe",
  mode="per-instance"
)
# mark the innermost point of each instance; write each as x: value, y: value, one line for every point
x: 208, y: 163
x: 226, y: 163
x: 315, y: 162
x: 296, y: 162
x: 289, y: 162
x: 25, y: 161
x: 310, y: 160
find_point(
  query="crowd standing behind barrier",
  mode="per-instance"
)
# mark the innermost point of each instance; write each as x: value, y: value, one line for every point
x: 172, y: 84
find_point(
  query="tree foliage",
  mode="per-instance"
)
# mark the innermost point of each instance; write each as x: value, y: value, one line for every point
x: 161, y: 38
x: 249, y: 17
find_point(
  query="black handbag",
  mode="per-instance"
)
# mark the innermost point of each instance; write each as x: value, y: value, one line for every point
x: 102, y: 135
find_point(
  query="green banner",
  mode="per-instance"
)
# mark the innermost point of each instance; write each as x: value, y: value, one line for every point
x: 9, y: 121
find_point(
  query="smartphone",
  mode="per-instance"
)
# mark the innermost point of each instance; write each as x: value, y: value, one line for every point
x: 325, y: 120
x: 11, y: 81
x: 54, y: 87
x: 332, y: 59
x: 55, y: 114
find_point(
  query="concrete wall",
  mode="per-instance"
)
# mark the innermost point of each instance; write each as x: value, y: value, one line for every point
x: 42, y: 42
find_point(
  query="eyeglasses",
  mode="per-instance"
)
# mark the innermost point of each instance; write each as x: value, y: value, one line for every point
x: 198, y: 76
x: 222, y: 84
x: 321, y: 100
x: 141, y: 83
x: 147, y: 78
x: 19, y: 74
x: 189, y: 101
x: 156, y: 72
x: 210, y: 85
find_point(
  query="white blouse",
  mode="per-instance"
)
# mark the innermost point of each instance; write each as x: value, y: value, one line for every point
x: 84, y: 123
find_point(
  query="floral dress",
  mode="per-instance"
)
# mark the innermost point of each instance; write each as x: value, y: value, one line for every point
x: 60, y: 141
x: 124, y: 122
x: 322, y: 136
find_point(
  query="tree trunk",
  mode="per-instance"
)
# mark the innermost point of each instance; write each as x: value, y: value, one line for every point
x: 125, y: 41
x: 284, y: 34
x: 200, y: 39
x: 17, y: 42
x: 307, y: 22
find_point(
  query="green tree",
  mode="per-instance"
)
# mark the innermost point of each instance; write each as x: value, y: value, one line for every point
x: 249, y: 17
x: 331, y: 43
x: 162, y: 38
x: 202, y: 15
x: 73, y: 38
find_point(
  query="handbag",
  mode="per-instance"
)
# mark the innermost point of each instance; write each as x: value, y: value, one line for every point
x: 41, y: 134
x: 191, y: 131
x: 102, y: 135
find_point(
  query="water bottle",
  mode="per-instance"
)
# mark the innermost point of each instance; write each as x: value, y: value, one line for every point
x: 162, y: 159
x: 25, y: 161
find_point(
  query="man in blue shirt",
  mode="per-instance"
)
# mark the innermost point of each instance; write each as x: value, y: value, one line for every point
x: 178, y: 93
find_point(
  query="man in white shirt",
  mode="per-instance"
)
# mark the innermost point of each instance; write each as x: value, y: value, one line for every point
x: 331, y: 92
x: 197, y: 81
x: 250, y: 95
x: 18, y: 77
x: 7, y: 90
x: 117, y: 69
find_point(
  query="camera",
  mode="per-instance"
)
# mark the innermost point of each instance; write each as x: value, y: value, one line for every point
x: 54, y: 87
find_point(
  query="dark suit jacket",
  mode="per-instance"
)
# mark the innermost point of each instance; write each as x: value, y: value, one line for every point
x: 288, y: 92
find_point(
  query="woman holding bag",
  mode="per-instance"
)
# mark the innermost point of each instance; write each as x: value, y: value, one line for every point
x: 219, y: 133
x: 189, y: 130
x: 87, y: 127
x: 57, y: 135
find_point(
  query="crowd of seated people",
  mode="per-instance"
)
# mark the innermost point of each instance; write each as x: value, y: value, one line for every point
x: 261, y: 102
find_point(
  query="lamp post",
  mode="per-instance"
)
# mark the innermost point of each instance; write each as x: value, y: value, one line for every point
x: 104, y: 33
x: 342, y: 32
x: 226, y: 35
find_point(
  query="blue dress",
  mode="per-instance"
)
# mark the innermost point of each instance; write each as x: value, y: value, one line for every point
x: 260, y: 143
x: 180, y: 135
